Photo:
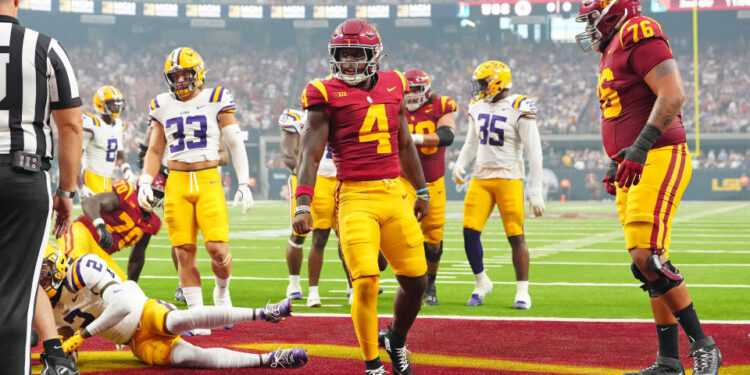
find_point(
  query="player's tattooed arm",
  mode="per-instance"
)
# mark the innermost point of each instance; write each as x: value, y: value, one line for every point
x: 665, y: 81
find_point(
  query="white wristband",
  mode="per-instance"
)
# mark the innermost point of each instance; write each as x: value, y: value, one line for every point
x: 98, y: 221
x: 417, y: 138
x: 124, y: 167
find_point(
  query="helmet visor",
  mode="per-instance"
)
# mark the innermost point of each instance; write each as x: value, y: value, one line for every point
x: 114, y: 105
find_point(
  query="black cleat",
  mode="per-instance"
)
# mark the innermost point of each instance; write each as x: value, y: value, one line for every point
x: 706, y: 355
x: 662, y: 366
x: 430, y: 295
x: 396, y: 349
x: 374, y: 367
x: 55, y: 365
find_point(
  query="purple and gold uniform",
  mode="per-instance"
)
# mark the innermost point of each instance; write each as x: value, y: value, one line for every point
x: 373, y: 211
x: 647, y: 209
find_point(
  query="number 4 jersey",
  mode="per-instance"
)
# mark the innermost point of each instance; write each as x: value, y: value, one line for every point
x: 624, y: 96
x: 192, y: 128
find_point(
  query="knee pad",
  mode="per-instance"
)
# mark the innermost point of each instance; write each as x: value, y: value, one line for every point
x: 433, y: 257
x: 659, y: 286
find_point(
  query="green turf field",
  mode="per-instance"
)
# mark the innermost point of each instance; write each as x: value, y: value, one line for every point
x: 578, y: 266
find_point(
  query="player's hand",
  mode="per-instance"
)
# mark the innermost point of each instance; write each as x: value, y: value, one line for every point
x: 105, y: 237
x: 302, y: 223
x: 631, y: 167
x: 63, y: 208
x: 245, y: 196
x: 145, y: 194
x: 458, y: 174
x: 421, y: 208
x: 129, y: 176
x: 536, y: 203
x: 73, y: 342
x: 85, y: 192
x: 609, y: 178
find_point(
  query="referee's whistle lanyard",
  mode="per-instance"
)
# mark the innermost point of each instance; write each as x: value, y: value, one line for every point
x: 194, y: 177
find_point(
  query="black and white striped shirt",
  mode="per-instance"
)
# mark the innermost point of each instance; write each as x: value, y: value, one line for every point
x: 35, y: 78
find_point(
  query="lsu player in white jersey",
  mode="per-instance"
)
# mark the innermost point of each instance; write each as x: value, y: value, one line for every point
x: 103, y: 137
x: 291, y: 122
x: 189, y: 123
x: 501, y: 126
x: 89, y: 299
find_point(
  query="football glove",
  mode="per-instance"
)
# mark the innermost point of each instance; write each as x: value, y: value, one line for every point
x: 458, y: 174
x: 145, y: 194
x: 609, y: 178
x: 129, y: 176
x: 105, y: 237
x: 245, y: 196
x: 536, y: 203
x: 73, y: 342
x: 633, y: 158
x: 85, y: 192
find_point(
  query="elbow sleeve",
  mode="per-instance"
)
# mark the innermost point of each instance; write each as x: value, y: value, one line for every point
x: 445, y: 136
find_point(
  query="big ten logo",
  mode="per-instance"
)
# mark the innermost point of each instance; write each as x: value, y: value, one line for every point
x: 727, y: 184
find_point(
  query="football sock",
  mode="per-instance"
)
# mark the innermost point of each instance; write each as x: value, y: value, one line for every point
x: 313, y: 290
x: 193, y: 296
x: 668, y: 340
x: 688, y: 319
x: 179, y: 321
x: 185, y: 354
x: 431, y: 279
x: 221, y: 291
x: 473, y: 248
x: 365, y: 315
x: 522, y: 287
x: 373, y: 364
x: 53, y: 347
x: 481, y: 278
x: 294, y: 284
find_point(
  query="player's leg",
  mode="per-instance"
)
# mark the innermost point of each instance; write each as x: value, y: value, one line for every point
x: 179, y: 295
x: 185, y: 354
x: 478, y: 205
x: 294, y: 254
x: 509, y: 198
x: 53, y: 358
x: 315, y: 264
x: 323, y: 209
x: 432, y: 229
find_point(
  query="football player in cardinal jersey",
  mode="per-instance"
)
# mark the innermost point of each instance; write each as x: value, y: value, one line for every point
x: 432, y: 126
x: 112, y: 221
x: 89, y: 299
x: 323, y: 209
x: 103, y: 137
x: 359, y: 111
x: 501, y: 126
x: 641, y: 92
x: 192, y: 121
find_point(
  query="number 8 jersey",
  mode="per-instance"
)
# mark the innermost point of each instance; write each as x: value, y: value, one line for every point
x: 192, y: 128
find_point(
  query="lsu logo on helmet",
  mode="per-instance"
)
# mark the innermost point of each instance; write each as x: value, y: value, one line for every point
x: 179, y: 60
x: 490, y: 78
x: 108, y: 101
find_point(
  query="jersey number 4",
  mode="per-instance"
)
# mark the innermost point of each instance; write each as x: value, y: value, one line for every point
x: 376, y: 116
x: 179, y: 135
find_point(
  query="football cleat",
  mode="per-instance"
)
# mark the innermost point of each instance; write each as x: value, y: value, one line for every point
x: 178, y: 295
x: 55, y: 365
x: 376, y: 371
x: 293, y: 294
x: 662, y: 366
x: 276, y: 312
x: 430, y: 296
x: 397, y: 352
x: 706, y: 355
x: 522, y: 301
x: 288, y: 358
x: 477, y: 296
x: 313, y: 300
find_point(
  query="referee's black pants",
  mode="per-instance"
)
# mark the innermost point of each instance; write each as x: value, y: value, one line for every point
x: 25, y: 208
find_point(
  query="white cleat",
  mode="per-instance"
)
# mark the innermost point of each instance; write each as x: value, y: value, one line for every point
x: 313, y: 300
x: 480, y: 291
x: 522, y: 301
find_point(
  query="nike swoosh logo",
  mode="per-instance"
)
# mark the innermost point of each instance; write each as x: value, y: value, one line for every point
x: 213, y: 182
x: 403, y: 196
x: 200, y: 106
x: 391, y: 88
x: 664, y: 329
x: 75, y: 298
x: 427, y: 110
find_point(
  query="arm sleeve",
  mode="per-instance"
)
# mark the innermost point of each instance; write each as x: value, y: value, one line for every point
x: 533, y: 146
x: 63, y: 86
x: 88, y: 131
x: 469, y: 150
x: 232, y: 136
x: 647, y: 54
x: 118, y: 307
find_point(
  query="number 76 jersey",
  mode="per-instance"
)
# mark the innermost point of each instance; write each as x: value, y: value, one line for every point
x: 192, y: 128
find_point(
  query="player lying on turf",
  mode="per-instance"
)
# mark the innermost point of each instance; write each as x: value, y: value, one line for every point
x: 90, y: 299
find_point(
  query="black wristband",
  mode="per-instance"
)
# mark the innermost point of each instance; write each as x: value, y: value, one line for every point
x: 649, y: 135
x: 445, y: 136
x: 65, y: 194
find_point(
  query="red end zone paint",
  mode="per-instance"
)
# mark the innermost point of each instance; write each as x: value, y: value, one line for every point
x: 515, y: 344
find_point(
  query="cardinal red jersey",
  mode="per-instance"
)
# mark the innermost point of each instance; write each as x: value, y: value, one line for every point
x: 625, y: 98
x: 424, y: 121
x: 364, y: 125
x: 127, y: 223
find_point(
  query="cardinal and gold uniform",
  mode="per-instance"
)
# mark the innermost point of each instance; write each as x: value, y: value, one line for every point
x: 194, y: 199
x: 424, y: 121
x: 127, y: 225
x: 101, y: 141
x: 374, y: 213
x: 646, y: 210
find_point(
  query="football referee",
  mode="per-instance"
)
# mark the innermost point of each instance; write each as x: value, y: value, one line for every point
x: 36, y: 80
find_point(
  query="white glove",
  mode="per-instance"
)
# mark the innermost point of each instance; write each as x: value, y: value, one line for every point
x: 458, y: 174
x: 246, y: 196
x: 418, y: 139
x: 129, y: 176
x: 145, y: 194
x: 85, y: 192
x: 536, y: 203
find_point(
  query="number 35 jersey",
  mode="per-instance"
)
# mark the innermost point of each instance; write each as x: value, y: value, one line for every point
x: 192, y: 128
x: 496, y: 130
x: 101, y: 141
x: 625, y: 98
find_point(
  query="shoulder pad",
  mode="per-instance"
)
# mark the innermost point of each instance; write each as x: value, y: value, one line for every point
x: 292, y: 120
x: 154, y: 103
x: 86, y: 271
x: 123, y: 189
x: 638, y: 29
x: 314, y: 93
x: 403, y: 80
x: 224, y: 98
x: 90, y: 120
x: 447, y: 104
x: 524, y: 104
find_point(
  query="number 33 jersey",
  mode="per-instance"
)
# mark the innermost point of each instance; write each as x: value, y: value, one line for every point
x: 496, y: 130
x: 101, y: 142
x: 192, y: 128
